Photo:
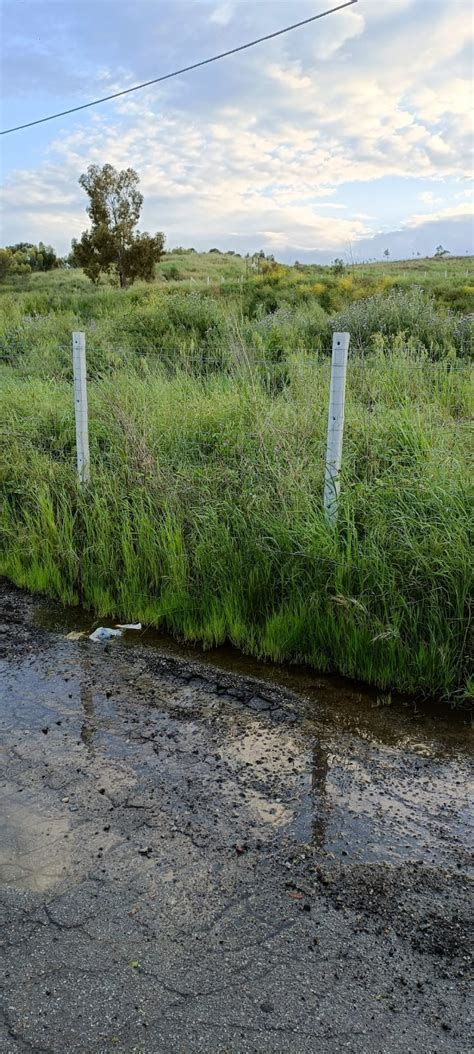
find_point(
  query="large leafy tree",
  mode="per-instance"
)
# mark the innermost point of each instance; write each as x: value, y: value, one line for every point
x: 113, y: 243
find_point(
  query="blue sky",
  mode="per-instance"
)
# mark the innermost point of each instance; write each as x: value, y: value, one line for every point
x: 343, y: 138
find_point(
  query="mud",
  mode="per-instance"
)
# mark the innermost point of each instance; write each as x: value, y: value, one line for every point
x: 195, y: 859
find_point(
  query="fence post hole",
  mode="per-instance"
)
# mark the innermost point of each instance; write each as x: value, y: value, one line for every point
x: 337, y: 393
x: 80, y: 406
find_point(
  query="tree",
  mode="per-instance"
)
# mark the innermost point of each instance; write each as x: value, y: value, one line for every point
x: 5, y: 263
x: 48, y: 257
x: 387, y: 254
x: 13, y: 263
x: 113, y: 243
x: 440, y: 252
x: 20, y: 247
x: 36, y: 257
x: 338, y: 266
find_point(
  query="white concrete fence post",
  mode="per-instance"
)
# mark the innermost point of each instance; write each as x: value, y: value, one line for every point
x: 337, y: 394
x: 80, y: 406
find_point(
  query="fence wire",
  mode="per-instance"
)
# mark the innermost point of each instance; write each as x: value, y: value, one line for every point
x: 367, y: 400
x: 298, y: 378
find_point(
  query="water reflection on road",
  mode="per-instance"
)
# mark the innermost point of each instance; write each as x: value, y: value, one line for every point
x: 352, y: 777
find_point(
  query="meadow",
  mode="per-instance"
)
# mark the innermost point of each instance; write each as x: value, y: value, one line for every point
x: 208, y: 394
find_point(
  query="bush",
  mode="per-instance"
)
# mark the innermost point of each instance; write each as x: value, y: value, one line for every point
x: 171, y: 273
x: 410, y: 316
x: 288, y: 330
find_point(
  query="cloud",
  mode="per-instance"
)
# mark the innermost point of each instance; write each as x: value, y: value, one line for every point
x: 222, y: 14
x: 272, y: 144
x: 454, y: 97
x: 231, y: 217
x: 222, y: 174
x: 451, y: 212
x: 333, y: 33
x: 193, y: 182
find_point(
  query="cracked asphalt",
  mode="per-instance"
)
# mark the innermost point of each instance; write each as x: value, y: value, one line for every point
x: 195, y: 860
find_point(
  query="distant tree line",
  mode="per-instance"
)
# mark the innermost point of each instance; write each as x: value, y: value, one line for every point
x: 24, y: 257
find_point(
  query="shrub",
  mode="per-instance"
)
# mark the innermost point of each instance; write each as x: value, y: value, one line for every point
x: 171, y: 273
x: 411, y: 315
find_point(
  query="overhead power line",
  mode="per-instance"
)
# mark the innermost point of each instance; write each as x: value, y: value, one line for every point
x: 177, y: 73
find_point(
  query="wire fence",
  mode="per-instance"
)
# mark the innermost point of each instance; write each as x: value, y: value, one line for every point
x: 168, y: 528
x: 179, y: 361
x: 436, y: 427
x: 278, y: 374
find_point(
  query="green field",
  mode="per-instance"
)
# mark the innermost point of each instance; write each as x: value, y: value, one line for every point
x: 208, y: 394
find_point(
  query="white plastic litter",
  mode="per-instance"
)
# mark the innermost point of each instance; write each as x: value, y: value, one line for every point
x: 129, y: 625
x: 104, y: 633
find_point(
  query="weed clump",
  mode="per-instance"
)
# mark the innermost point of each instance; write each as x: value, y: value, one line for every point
x: 410, y: 318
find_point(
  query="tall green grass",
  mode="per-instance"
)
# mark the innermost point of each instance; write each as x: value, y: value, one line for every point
x: 208, y: 410
x: 204, y: 513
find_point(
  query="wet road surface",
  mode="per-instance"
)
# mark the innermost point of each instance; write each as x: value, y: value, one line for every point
x: 193, y: 859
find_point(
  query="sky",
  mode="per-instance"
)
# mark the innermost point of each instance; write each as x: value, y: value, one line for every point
x: 343, y: 138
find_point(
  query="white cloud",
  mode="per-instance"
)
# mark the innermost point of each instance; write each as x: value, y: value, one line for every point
x: 452, y: 97
x: 379, y: 12
x: 332, y: 33
x: 215, y: 176
x: 222, y: 14
x: 192, y: 181
x: 273, y: 134
x: 292, y: 79
x: 450, y: 212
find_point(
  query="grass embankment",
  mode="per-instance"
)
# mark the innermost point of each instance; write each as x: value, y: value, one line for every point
x: 208, y: 420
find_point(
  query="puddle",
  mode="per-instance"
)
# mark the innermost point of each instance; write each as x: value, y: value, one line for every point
x: 350, y: 778
x: 166, y: 821
x: 34, y: 854
x: 430, y: 728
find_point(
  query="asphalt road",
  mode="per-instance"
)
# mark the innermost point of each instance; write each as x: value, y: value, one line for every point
x: 192, y: 861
